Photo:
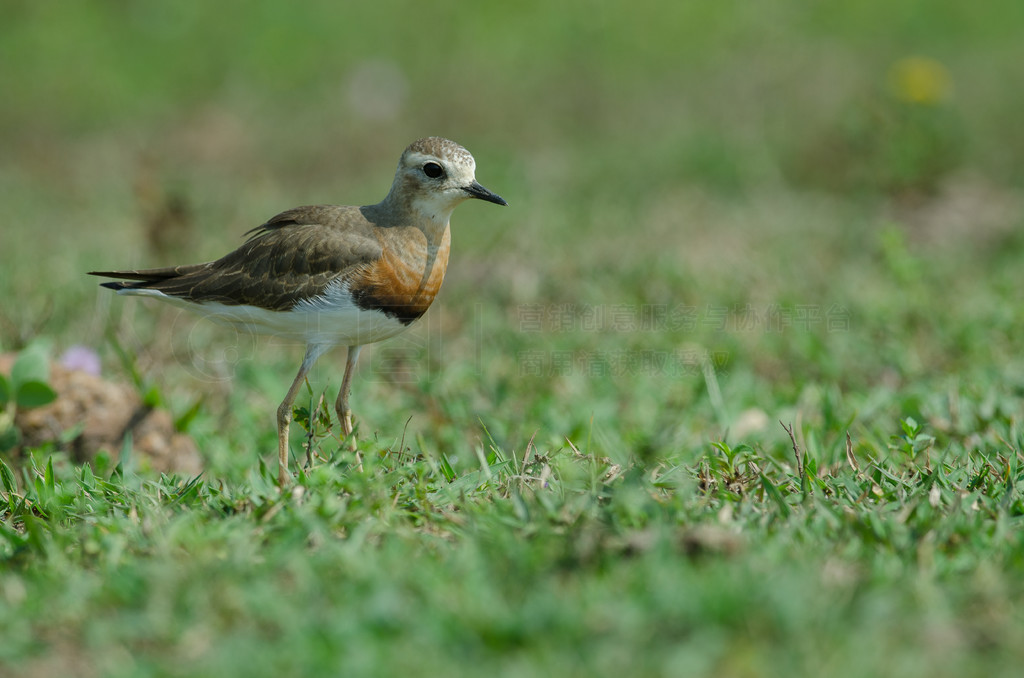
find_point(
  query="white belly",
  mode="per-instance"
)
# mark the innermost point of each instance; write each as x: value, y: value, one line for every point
x: 328, y: 320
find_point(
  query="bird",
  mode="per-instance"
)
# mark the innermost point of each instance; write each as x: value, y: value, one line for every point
x: 331, y: 275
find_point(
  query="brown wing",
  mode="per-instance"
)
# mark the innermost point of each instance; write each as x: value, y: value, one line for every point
x: 292, y: 257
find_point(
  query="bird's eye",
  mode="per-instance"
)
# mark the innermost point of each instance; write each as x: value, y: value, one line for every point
x: 433, y: 170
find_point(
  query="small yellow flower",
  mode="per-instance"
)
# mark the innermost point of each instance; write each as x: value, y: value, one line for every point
x: 919, y: 80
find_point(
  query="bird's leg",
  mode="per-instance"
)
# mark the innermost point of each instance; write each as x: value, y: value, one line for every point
x: 341, y: 406
x: 284, y: 412
x: 314, y: 414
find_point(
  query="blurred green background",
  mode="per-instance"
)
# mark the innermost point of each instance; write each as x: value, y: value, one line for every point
x: 759, y: 160
x: 722, y: 215
x: 690, y: 159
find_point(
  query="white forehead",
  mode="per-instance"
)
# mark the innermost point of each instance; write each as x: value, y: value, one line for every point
x: 415, y: 159
x: 457, y: 166
x: 455, y: 158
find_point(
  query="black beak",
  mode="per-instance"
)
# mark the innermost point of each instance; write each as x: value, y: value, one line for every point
x: 478, y: 191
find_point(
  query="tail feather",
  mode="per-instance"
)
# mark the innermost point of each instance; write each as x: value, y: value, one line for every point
x: 145, y: 280
x: 149, y: 275
x: 116, y: 285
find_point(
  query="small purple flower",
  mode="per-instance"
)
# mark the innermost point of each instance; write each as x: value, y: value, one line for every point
x: 82, y: 358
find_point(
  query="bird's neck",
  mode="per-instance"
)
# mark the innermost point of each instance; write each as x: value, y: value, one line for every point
x: 397, y: 211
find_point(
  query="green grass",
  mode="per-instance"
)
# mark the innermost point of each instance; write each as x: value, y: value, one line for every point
x: 725, y: 220
x: 563, y: 563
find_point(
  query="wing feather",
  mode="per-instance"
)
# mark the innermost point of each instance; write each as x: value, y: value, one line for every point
x: 290, y: 258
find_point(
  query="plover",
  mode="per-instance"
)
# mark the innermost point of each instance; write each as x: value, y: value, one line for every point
x: 327, y: 275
